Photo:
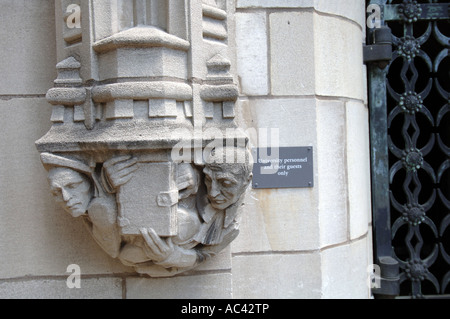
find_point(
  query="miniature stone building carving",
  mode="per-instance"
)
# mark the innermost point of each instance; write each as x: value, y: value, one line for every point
x: 143, y: 145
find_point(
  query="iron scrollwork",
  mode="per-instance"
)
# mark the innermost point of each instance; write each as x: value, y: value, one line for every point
x: 418, y: 119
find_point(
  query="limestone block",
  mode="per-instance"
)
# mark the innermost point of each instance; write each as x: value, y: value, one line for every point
x: 294, y: 119
x: 220, y: 262
x: 280, y: 219
x: 327, y: 61
x: 351, y: 281
x: 210, y: 286
x: 228, y: 110
x: 162, y: 108
x: 142, y: 62
x: 101, y: 12
x: 78, y: 113
x: 177, y: 21
x: 252, y: 57
x: 358, y: 162
x: 279, y: 276
x: 292, y: 53
x: 332, y: 185
x: 350, y: 9
x: 90, y: 288
x: 119, y: 109
x: 38, y: 238
x: 28, y: 54
x: 58, y: 114
x: 338, y: 58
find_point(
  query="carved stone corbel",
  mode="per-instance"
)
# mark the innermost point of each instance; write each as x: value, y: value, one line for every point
x: 137, y: 80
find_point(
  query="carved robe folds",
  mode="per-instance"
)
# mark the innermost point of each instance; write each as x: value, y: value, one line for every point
x: 143, y: 144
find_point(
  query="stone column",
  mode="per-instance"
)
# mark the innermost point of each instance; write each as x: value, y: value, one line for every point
x: 301, y: 71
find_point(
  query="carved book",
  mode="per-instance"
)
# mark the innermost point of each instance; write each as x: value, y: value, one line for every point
x: 149, y: 200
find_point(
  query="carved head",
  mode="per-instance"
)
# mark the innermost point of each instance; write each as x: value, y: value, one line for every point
x: 225, y: 181
x: 71, y: 188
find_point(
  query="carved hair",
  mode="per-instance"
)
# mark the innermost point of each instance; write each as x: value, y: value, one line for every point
x: 51, y: 161
x: 242, y: 163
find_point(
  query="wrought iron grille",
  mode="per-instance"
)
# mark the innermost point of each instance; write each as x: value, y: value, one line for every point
x: 414, y: 197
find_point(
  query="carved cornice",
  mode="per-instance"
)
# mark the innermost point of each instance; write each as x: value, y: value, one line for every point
x: 141, y: 37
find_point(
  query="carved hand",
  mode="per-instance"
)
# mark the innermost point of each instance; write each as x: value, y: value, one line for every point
x: 119, y: 170
x: 158, y: 248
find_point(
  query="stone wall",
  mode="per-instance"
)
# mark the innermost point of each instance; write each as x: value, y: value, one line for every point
x: 300, y: 70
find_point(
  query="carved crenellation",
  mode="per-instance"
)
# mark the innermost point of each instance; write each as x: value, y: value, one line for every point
x: 144, y: 98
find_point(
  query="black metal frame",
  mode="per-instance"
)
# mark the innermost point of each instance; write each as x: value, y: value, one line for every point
x: 401, y: 168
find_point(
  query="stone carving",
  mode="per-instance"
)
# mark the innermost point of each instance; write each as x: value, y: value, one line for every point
x: 201, y: 213
x: 144, y: 146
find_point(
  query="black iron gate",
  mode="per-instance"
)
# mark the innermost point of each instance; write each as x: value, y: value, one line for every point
x: 408, y: 60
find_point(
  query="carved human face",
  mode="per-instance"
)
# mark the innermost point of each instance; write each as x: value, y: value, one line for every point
x: 224, y: 186
x: 72, y: 189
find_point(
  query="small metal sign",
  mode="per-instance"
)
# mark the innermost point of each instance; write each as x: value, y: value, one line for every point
x: 283, y: 167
